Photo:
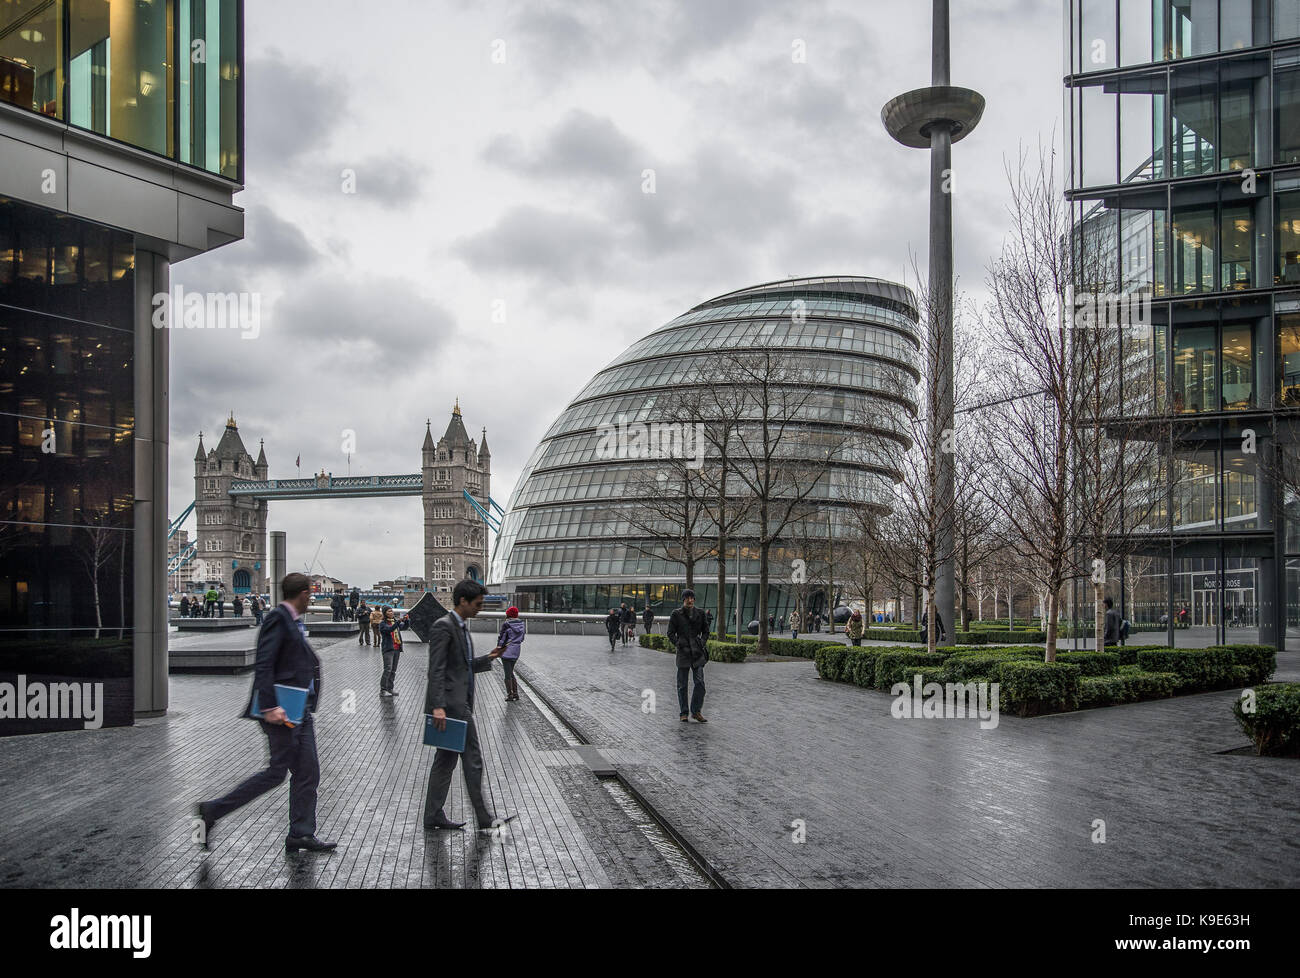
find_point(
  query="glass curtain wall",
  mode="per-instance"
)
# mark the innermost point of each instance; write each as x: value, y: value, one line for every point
x: 161, y: 75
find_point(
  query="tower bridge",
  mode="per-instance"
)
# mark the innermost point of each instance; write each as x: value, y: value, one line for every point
x: 232, y: 493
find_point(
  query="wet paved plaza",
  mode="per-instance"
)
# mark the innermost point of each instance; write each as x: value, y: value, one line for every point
x: 794, y: 782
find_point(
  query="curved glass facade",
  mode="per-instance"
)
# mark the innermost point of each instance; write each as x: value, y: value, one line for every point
x: 575, y: 535
x: 1184, y: 178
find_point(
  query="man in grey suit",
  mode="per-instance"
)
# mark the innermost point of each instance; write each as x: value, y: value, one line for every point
x: 450, y: 693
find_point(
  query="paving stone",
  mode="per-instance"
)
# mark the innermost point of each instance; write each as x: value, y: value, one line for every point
x: 111, y: 808
x: 888, y: 802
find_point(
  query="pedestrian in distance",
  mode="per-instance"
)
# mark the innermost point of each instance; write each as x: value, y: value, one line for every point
x: 855, y: 628
x: 708, y: 620
x: 688, y: 633
x: 613, y: 623
x: 391, y: 629
x: 450, y: 693
x: 238, y: 605
x: 354, y: 601
x: 510, y: 640
x: 185, y: 606
x: 627, y: 619
x: 376, y: 619
x: 1111, y: 624
x: 221, y: 603
x: 284, y: 657
x: 363, y: 632
x: 257, y: 608
x: 794, y: 623
x: 648, y: 620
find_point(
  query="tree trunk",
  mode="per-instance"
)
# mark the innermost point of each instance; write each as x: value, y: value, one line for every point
x: 762, y: 646
x: 1054, y: 607
x: 722, y: 590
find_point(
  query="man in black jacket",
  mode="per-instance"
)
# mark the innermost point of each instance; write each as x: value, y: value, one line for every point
x: 688, y: 632
x: 284, y: 657
x: 613, y: 622
x: 450, y: 693
x: 648, y: 620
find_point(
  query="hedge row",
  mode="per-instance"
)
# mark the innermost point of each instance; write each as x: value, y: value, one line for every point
x: 1030, y: 686
x: 1110, y: 690
x: 718, y: 651
x: 1274, y: 726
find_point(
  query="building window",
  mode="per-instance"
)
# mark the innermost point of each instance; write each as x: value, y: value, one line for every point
x: 1288, y: 239
x: 1288, y: 333
x: 1286, y: 19
x: 1286, y: 100
x: 1195, y: 369
x: 31, y: 56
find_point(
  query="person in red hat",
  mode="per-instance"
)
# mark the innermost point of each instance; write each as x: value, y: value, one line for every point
x: 511, y: 638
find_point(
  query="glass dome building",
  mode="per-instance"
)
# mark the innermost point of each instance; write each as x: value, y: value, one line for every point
x: 569, y: 541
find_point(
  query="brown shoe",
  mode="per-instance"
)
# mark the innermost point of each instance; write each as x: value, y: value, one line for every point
x: 699, y: 718
x: 684, y: 718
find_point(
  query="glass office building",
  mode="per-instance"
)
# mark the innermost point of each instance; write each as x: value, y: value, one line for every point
x: 1185, y: 175
x: 572, y: 540
x: 120, y: 153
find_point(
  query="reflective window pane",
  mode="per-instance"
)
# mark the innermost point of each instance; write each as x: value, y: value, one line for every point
x: 1288, y: 334
x: 1097, y: 40
x: 1194, y: 27
x: 1288, y: 239
x: 1286, y: 19
x: 120, y: 80
x: 1142, y: 127
x: 1138, y: 41
x: 208, y: 84
x: 1193, y: 99
x: 1099, y: 135
x: 1243, y: 86
x: 1286, y: 102
x: 31, y: 55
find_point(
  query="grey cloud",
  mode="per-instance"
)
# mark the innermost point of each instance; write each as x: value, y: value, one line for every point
x: 582, y: 145
x: 293, y: 109
x: 544, y: 243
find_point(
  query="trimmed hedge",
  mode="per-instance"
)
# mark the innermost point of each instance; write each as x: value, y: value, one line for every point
x: 1274, y: 727
x: 1091, y: 663
x: 898, y: 666
x: 829, y: 660
x: 1200, y: 669
x: 727, y: 651
x: 1032, y: 688
x: 1111, y: 690
x: 659, y: 642
x: 1260, y: 662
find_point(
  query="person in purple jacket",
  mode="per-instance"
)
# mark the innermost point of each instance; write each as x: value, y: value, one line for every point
x: 510, y: 638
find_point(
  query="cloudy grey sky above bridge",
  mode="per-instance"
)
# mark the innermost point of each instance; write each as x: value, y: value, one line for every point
x: 488, y: 186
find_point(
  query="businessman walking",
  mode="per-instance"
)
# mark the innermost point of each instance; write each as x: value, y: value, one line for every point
x: 450, y: 693
x: 284, y: 656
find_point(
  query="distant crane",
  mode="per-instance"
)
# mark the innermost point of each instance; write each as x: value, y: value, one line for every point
x: 314, y: 557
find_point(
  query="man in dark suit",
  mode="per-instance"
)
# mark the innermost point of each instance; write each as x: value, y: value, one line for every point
x: 450, y: 693
x: 688, y: 633
x: 284, y: 656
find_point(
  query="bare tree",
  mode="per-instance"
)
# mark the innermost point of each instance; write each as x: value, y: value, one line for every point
x: 780, y: 458
x: 1029, y: 322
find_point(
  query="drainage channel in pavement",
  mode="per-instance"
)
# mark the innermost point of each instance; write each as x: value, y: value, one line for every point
x: 687, y: 869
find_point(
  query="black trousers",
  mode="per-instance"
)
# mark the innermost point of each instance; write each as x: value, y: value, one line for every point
x: 293, y: 754
x: 471, y: 765
x: 684, y: 674
x: 509, y: 666
x: 390, y: 669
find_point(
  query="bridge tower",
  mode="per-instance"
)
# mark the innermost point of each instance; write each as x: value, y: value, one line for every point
x: 455, y: 538
x: 231, y: 530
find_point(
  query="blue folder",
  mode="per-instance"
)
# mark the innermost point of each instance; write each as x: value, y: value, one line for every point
x: 291, y: 699
x: 453, y: 738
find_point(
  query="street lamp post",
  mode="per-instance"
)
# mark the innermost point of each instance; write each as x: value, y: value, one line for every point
x: 934, y: 118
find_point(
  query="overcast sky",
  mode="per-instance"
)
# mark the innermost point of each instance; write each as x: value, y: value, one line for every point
x: 499, y: 148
